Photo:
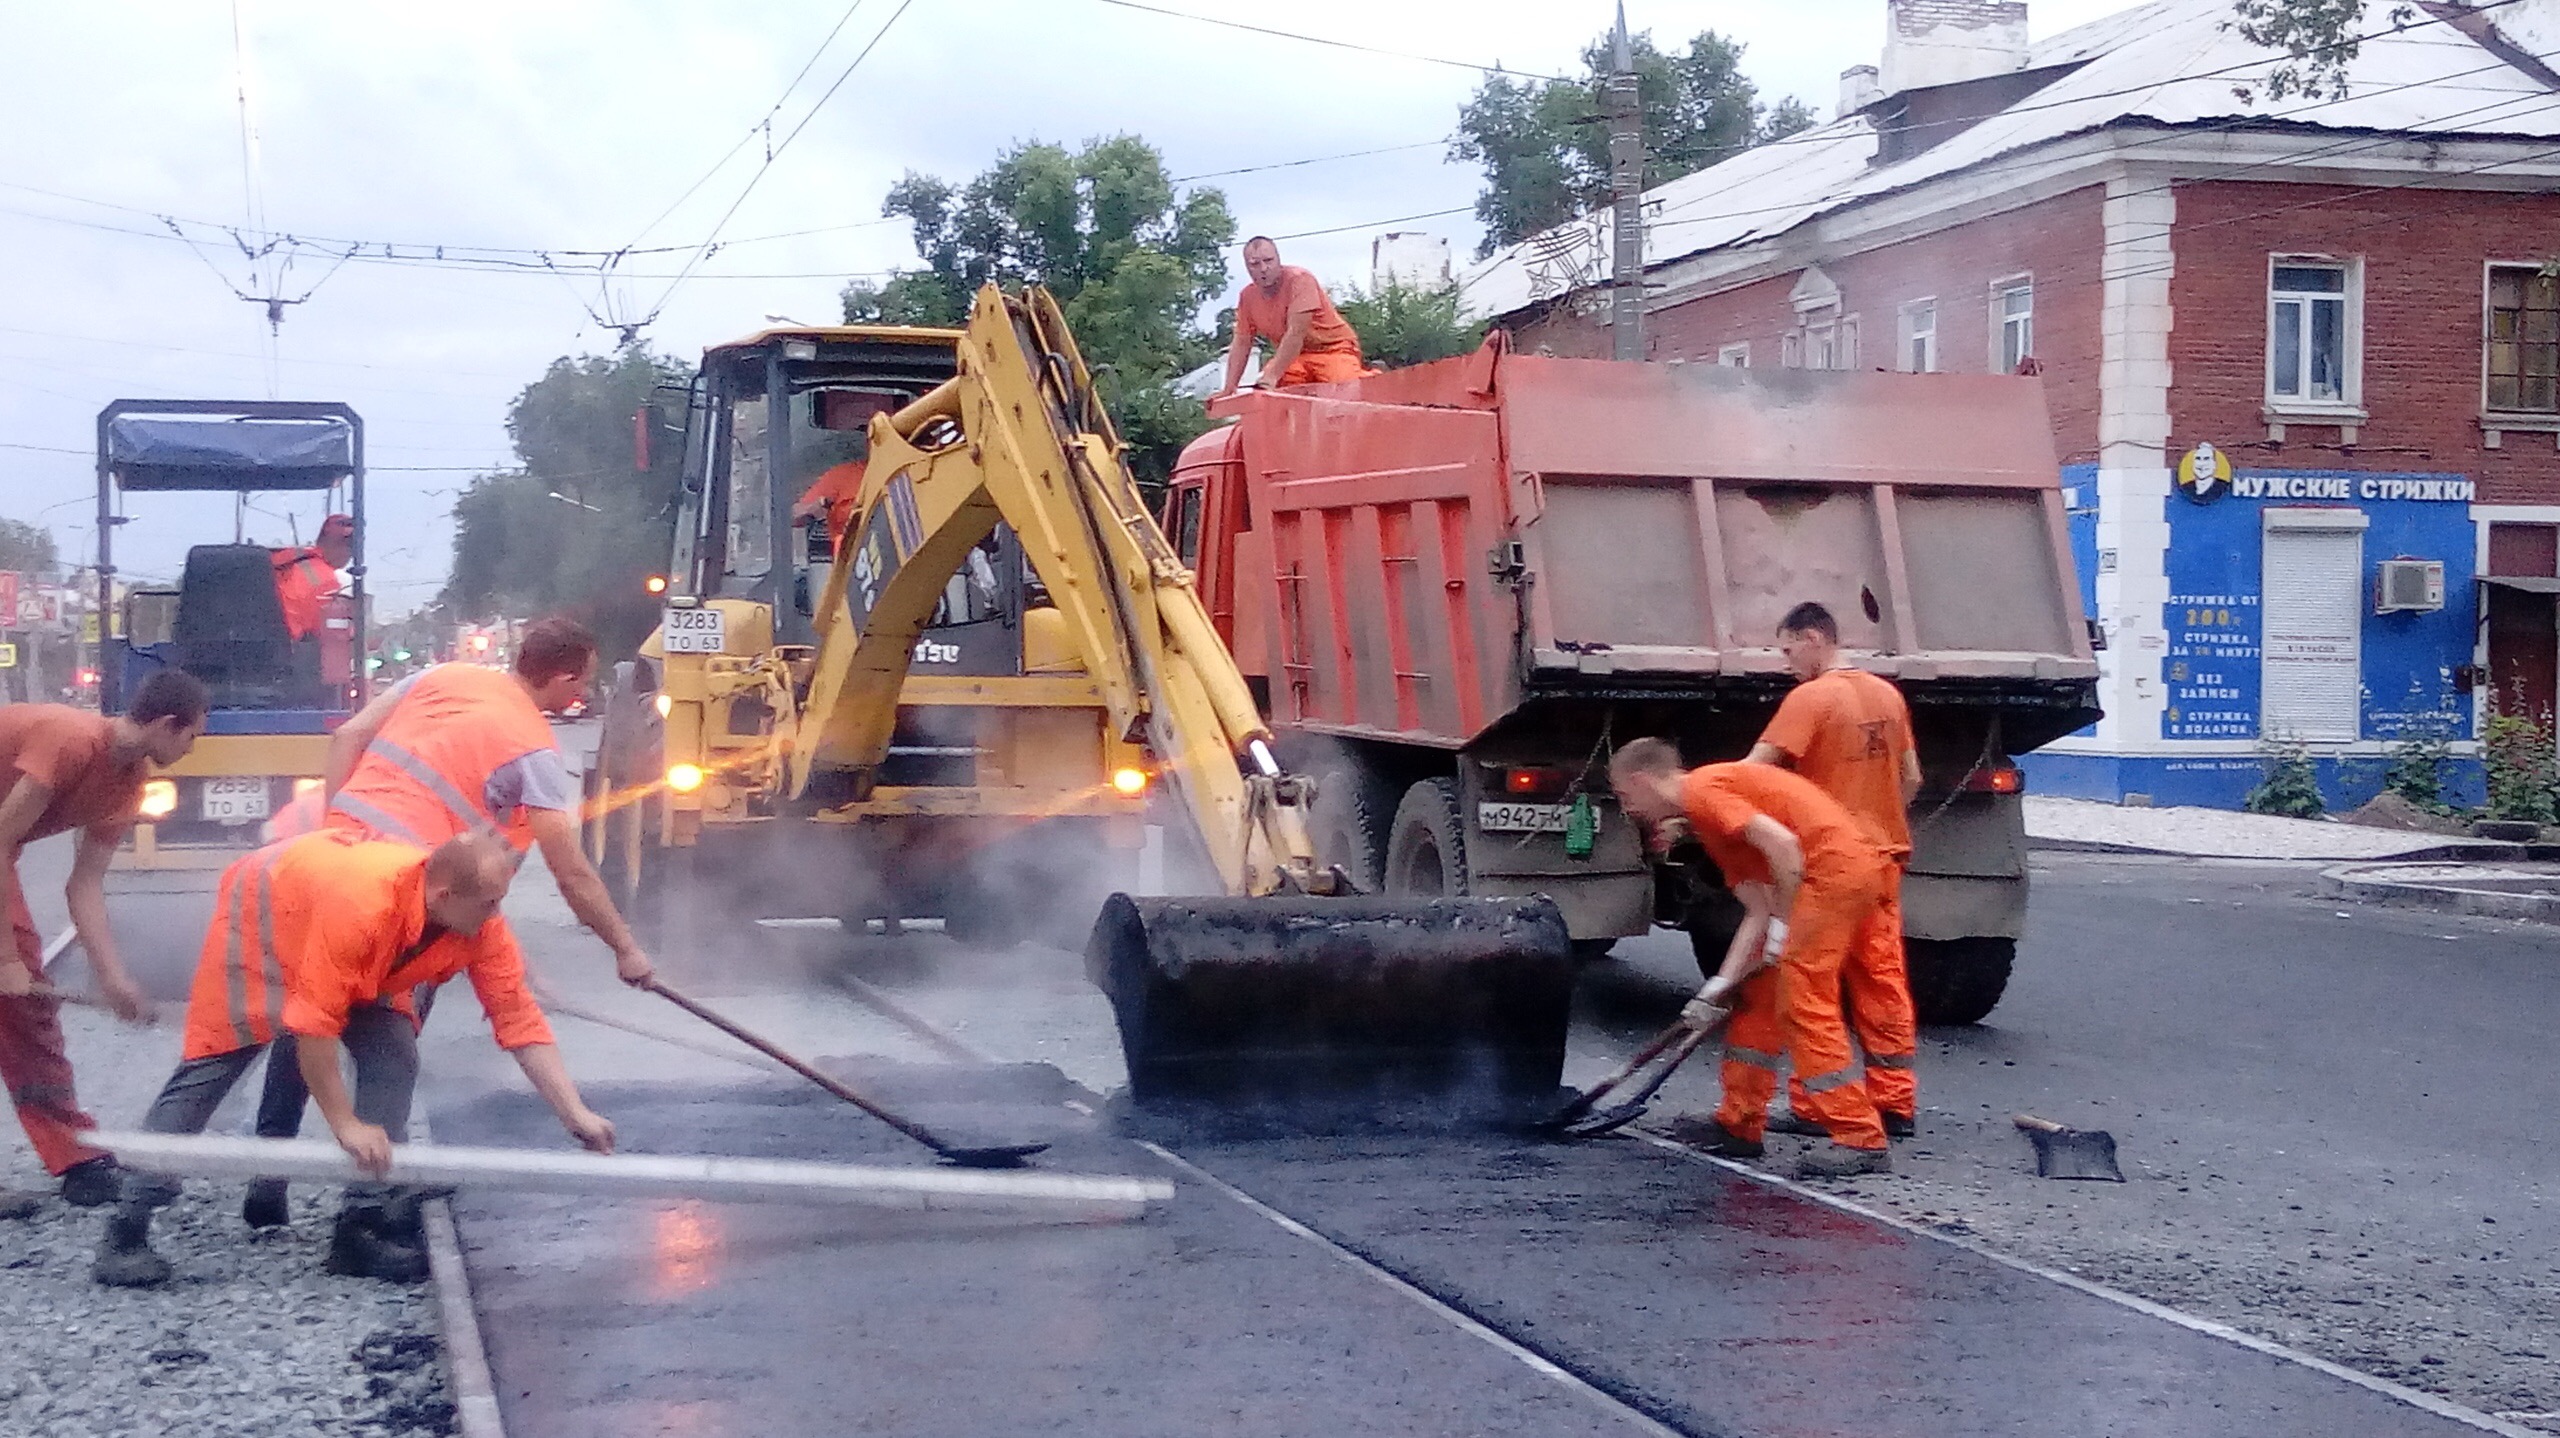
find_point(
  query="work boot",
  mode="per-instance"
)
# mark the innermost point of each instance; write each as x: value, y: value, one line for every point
x: 125, y: 1259
x: 1900, y: 1125
x: 1709, y: 1136
x: 359, y: 1248
x: 91, y: 1183
x: 1838, y: 1160
x: 266, y: 1206
x: 1787, y: 1120
x: 18, y: 1203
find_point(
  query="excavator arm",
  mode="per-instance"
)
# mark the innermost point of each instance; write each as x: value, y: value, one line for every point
x: 1019, y: 436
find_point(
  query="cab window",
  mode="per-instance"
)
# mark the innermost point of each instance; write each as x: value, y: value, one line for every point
x: 1187, y: 504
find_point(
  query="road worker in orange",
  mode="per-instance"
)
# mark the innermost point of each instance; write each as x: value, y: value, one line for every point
x: 1286, y: 307
x: 457, y: 749
x: 63, y: 769
x: 833, y: 496
x: 320, y: 942
x: 1850, y: 733
x: 307, y: 578
x: 1812, y: 881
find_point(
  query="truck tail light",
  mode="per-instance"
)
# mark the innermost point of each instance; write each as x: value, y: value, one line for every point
x: 1538, y: 783
x: 1999, y: 779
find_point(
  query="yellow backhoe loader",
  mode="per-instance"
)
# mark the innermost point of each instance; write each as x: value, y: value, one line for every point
x: 1283, y: 988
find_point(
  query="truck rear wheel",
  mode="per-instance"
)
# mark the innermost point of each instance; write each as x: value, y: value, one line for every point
x: 1958, y: 981
x: 1427, y: 848
x: 1345, y: 828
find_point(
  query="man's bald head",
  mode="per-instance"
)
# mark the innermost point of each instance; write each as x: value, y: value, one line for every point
x: 467, y: 878
x: 1262, y: 261
x: 1647, y: 774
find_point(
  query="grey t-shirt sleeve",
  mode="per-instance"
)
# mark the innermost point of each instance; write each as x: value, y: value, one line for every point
x: 536, y: 780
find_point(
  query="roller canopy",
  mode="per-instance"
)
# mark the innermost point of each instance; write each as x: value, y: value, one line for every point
x: 168, y: 452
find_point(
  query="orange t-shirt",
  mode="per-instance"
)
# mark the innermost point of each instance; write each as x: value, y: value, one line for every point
x: 1847, y: 730
x: 1723, y: 798
x: 304, y: 585
x: 1266, y: 315
x: 834, y: 494
x: 71, y: 752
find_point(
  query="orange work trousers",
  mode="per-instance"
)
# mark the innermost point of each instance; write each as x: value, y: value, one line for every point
x: 1878, y: 984
x: 1325, y: 368
x: 1796, y: 1008
x: 34, y: 1063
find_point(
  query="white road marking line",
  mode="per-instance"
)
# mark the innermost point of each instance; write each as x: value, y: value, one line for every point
x: 1528, y: 1358
x: 61, y: 942
x: 2441, y: 1407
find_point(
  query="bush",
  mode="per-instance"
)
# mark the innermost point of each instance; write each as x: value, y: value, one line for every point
x: 2522, y: 777
x: 2416, y: 768
x: 2291, y: 787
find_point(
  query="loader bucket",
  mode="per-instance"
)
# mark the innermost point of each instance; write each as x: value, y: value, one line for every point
x: 1321, y: 1014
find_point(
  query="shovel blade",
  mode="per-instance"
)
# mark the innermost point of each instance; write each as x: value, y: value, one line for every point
x: 1008, y: 1155
x: 2077, y: 1153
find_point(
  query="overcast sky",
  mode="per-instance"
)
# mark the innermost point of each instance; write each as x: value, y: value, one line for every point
x: 568, y: 125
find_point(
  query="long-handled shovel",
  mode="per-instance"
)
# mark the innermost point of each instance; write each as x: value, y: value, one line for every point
x: 967, y: 1156
x: 1581, y: 1117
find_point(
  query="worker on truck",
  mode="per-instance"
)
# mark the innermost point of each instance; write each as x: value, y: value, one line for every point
x: 307, y: 578
x: 324, y: 939
x: 63, y: 769
x: 457, y: 749
x: 1287, y: 308
x: 1850, y: 733
x: 1812, y: 881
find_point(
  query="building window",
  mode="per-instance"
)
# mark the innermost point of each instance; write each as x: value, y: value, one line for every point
x: 2013, y: 311
x: 2310, y: 334
x: 2524, y: 339
x: 1920, y: 337
x: 1735, y: 356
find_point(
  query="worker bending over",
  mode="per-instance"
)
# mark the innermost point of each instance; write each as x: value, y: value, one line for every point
x: 62, y: 769
x: 1287, y: 308
x: 458, y: 749
x: 307, y: 578
x: 325, y: 938
x: 1850, y: 733
x: 1812, y: 881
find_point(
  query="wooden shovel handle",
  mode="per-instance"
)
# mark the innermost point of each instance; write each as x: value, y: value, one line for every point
x: 2033, y: 1124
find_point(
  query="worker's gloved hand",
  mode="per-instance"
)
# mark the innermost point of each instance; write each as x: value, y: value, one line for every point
x: 632, y: 966
x: 1712, y: 1005
x: 367, y: 1144
x: 1775, y: 944
x: 127, y: 1001
x: 589, y: 1128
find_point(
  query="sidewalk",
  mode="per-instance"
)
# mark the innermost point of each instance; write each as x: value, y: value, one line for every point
x: 2090, y: 827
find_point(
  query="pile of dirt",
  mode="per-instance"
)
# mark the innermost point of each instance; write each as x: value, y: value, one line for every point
x: 2387, y: 810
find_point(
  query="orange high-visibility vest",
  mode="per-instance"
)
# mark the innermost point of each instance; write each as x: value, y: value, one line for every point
x: 422, y: 779
x: 304, y: 582
x: 309, y: 929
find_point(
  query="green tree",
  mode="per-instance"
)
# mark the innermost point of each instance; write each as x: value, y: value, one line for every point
x: 1403, y: 324
x: 580, y: 525
x: 1131, y: 259
x: 2322, y: 38
x: 27, y: 548
x: 1545, y: 149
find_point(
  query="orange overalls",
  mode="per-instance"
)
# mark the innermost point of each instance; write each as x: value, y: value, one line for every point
x: 1847, y: 731
x: 425, y: 776
x: 307, y: 930
x: 1795, y: 1009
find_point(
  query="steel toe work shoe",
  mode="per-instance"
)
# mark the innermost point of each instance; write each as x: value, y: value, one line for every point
x: 18, y: 1203
x: 91, y: 1183
x: 1708, y: 1136
x: 359, y: 1249
x: 1900, y: 1125
x: 1835, y: 1160
x: 125, y: 1259
x: 1787, y: 1120
x: 266, y: 1205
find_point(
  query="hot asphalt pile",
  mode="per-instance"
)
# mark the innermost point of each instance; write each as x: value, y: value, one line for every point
x: 252, y: 1338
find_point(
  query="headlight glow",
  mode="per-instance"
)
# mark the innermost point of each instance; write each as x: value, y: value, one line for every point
x: 159, y: 798
x: 684, y: 778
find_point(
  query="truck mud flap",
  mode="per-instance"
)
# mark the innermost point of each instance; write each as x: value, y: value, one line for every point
x: 1332, y: 1014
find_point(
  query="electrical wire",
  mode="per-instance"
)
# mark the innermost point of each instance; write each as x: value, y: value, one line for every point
x: 1496, y: 69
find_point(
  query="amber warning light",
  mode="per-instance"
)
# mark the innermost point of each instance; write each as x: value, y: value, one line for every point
x: 657, y: 584
x: 1130, y: 782
x: 2005, y: 779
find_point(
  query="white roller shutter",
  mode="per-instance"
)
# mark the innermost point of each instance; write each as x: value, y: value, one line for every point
x: 2311, y: 673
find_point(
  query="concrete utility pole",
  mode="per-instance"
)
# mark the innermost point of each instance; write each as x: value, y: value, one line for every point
x: 1626, y: 188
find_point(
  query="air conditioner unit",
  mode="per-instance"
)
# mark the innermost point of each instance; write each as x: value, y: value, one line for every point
x: 2405, y: 586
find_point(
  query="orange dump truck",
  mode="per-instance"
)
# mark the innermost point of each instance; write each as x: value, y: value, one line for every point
x: 1457, y: 586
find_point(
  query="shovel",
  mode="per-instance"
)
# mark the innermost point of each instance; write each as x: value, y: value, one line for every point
x: 1581, y: 1117
x: 966, y: 1156
x: 2070, y: 1152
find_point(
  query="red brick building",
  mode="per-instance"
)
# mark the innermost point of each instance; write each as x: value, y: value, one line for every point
x: 2343, y: 313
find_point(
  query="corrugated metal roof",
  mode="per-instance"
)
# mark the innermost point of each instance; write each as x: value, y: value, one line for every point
x: 2170, y: 63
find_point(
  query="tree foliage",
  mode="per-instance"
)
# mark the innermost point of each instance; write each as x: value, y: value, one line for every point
x: 1131, y: 259
x: 1545, y: 149
x: 579, y: 526
x: 27, y: 548
x: 1403, y: 324
x: 2322, y: 37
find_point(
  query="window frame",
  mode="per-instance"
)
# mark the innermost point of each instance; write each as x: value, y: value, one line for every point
x: 2350, y: 403
x: 1734, y: 356
x: 2001, y: 289
x: 1907, y: 332
x: 2516, y: 418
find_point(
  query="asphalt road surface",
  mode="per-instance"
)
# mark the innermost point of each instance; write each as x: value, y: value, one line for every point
x: 2330, y: 1115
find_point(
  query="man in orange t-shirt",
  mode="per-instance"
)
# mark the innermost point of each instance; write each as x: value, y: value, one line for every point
x: 833, y: 496
x: 307, y: 579
x: 1850, y: 733
x: 1287, y: 307
x: 1811, y: 879
x: 63, y: 769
